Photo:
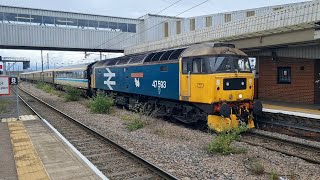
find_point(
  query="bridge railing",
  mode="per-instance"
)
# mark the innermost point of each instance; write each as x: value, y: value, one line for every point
x: 288, y: 19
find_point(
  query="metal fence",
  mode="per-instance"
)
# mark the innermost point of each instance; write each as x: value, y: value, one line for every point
x: 10, y: 105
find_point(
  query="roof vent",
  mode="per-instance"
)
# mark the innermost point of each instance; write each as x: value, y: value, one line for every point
x: 224, y: 45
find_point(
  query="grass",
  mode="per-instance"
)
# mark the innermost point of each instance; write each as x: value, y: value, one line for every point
x: 48, y: 88
x: 72, y: 94
x: 274, y: 175
x: 135, y: 124
x: 141, y: 117
x: 256, y: 167
x: 221, y: 143
x: 40, y: 85
x: 160, y: 132
x: 3, y: 105
x: 101, y: 104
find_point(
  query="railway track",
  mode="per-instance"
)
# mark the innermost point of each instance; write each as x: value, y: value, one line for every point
x: 114, y: 161
x: 308, y: 152
x: 302, y: 127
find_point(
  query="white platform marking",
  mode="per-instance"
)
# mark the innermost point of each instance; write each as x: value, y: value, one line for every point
x: 315, y: 116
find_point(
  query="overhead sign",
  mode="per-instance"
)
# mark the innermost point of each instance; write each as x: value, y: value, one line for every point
x: 13, y: 80
x: 4, y: 85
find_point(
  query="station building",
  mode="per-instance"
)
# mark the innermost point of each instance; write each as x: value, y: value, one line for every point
x: 288, y: 74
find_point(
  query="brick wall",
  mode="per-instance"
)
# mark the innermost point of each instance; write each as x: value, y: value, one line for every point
x: 301, y: 89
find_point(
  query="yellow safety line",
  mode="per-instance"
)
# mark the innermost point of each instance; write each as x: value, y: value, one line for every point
x: 28, y: 164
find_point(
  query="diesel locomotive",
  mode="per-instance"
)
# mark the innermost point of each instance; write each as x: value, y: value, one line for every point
x: 203, y: 84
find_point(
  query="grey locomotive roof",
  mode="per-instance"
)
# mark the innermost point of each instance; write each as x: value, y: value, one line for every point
x: 209, y: 49
x: 172, y: 55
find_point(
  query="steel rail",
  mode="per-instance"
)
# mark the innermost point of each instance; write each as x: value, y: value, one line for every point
x: 285, y: 141
x: 134, y: 156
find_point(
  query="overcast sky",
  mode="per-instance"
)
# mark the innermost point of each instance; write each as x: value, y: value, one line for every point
x: 126, y: 8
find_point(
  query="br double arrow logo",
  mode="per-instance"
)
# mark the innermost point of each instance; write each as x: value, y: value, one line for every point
x: 109, y: 75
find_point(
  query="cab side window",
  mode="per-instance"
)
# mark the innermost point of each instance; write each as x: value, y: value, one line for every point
x: 186, y: 66
x: 198, y: 66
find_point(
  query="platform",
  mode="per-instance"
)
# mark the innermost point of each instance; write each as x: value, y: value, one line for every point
x: 31, y: 150
x: 304, y: 110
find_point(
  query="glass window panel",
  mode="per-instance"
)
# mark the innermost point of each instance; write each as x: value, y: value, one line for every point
x: 83, y: 23
x: 72, y: 22
x: 61, y: 21
x: 93, y: 24
x: 113, y: 25
x: 36, y: 20
x: 48, y: 21
x: 23, y: 18
x: 103, y: 24
x: 1, y: 16
x: 166, y: 29
x: 192, y: 24
x: 132, y: 28
x: 176, y: 54
x: 123, y: 27
x: 9, y: 17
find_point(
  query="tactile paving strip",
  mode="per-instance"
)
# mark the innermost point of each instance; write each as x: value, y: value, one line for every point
x: 28, y: 163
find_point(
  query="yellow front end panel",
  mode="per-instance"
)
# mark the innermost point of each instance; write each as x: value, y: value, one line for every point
x: 208, y: 88
x: 220, y: 124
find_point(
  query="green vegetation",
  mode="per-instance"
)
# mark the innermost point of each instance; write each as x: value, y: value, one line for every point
x: 256, y: 167
x: 48, y: 88
x: 3, y: 105
x: 141, y: 117
x: 101, y: 103
x: 135, y: 124
x: 222, y: 142
x: 160, y: 131
x: 40, y: 85
x: 274, y: 175
x: 72, y: 94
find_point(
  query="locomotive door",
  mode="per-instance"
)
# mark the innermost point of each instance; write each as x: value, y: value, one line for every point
x: 185, y: 80
x: 317, y: 82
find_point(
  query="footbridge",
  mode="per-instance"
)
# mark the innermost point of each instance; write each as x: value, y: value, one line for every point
x: 26, y: 28
x: 287, y: 26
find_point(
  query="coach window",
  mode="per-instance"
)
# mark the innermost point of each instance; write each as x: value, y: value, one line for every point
x: 85, y: 76
x: 284, y: 75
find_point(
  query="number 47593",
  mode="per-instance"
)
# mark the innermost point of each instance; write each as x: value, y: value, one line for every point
x: 159, y: 84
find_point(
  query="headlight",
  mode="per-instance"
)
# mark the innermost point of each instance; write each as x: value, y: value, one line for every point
x: 240, y: 96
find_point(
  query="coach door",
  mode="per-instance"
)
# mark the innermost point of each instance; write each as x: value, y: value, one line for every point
x: 317, y: 82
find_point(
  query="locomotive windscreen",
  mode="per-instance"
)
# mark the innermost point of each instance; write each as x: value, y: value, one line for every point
x: 216, y: 64
x: 229, y: 64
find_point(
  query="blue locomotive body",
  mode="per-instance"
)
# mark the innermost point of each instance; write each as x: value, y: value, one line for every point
x: 155, y: 80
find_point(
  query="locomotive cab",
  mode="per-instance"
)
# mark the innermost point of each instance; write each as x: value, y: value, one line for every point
x: 218, y: 79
